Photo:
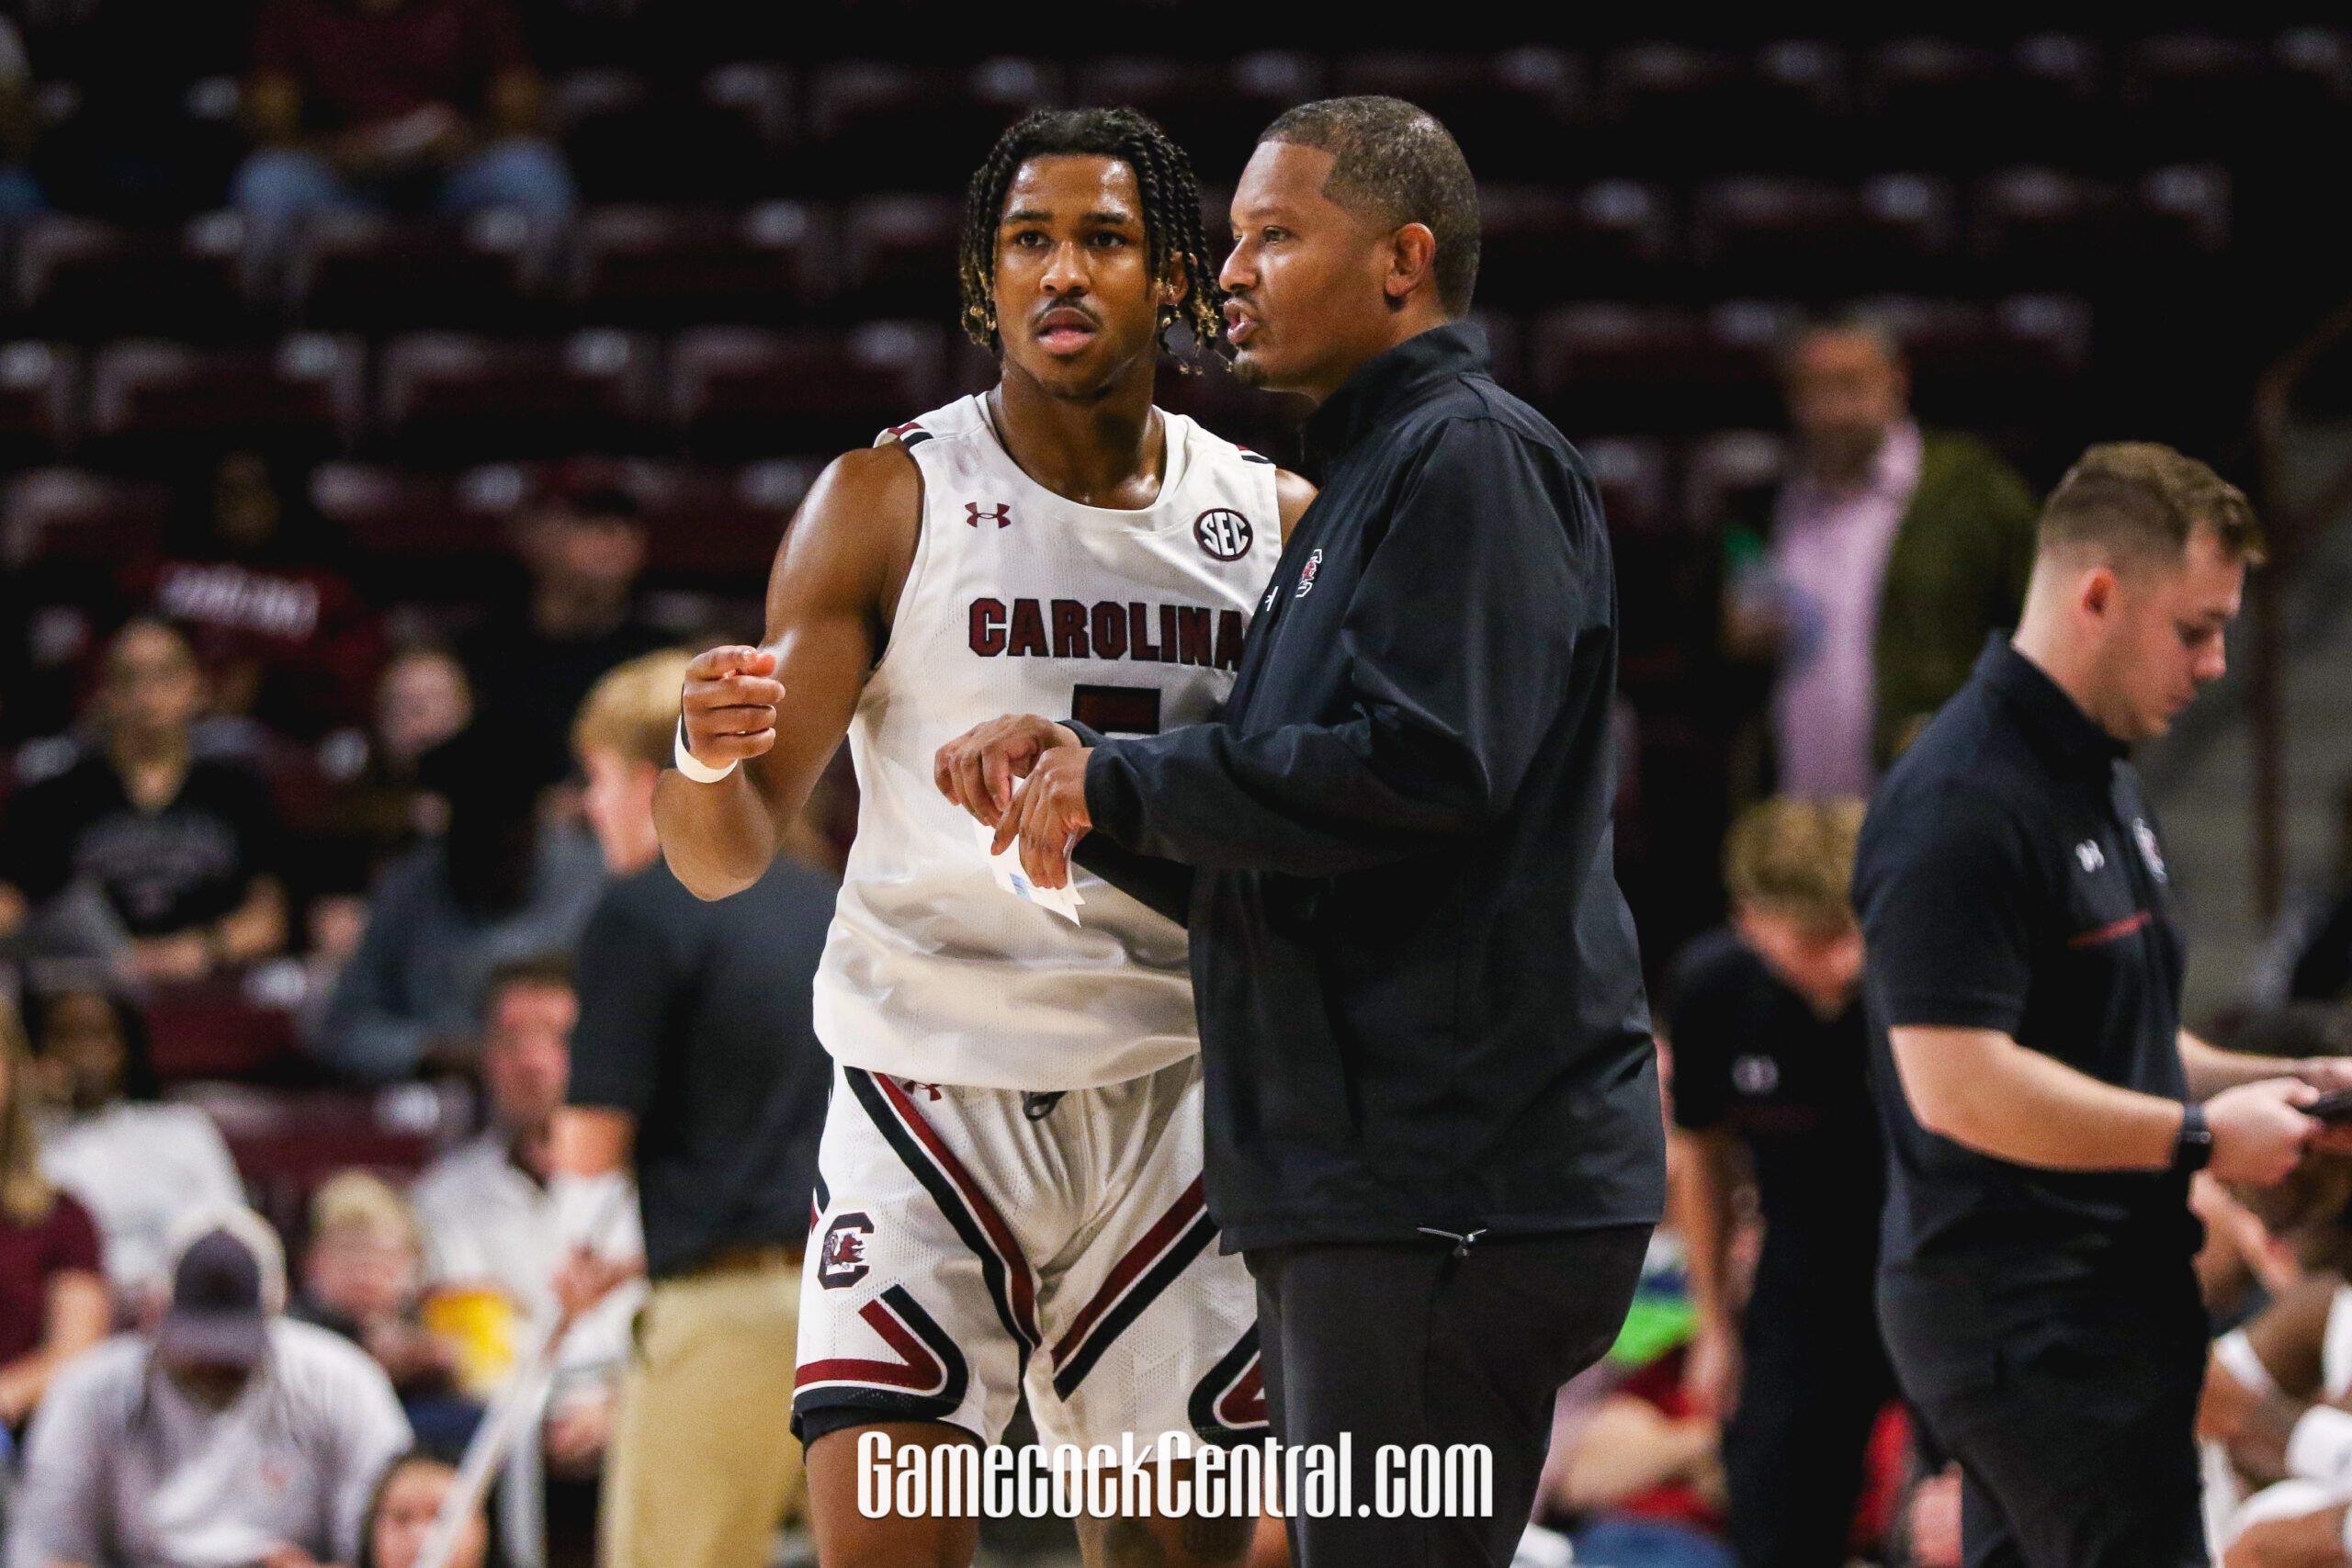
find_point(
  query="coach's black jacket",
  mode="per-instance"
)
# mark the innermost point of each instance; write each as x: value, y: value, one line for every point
x: 1419, y: 997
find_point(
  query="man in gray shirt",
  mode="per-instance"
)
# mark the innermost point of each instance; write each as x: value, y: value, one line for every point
x: 230, y: 1437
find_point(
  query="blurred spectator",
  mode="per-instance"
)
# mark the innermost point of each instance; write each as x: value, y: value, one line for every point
x: 365, y: 103
x: 1645, y: 1476
x: 496, y: 1215
x: 695, y: 1056
x: 230, y: 1436
x: 144, y: 853
x: 2272, y: 1411
x: 1887, y: 558
x: 583, y: 546
x: 283, y: 636
x: 1765, y: 1022
x: 499, y: 884
x: 52, y: 1292
x: 139, y: 1165
x: 20, y: 193
x: 362, y: 1275
x: 407, y: 1501
x: 383, y: 805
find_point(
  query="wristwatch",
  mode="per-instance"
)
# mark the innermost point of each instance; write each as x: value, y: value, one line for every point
x: 2194, y: 1147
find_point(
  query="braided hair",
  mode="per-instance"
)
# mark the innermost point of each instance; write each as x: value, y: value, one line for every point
x: 1171, y: 214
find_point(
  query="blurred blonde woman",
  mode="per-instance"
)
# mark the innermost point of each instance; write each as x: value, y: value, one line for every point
x: 53, y: 1301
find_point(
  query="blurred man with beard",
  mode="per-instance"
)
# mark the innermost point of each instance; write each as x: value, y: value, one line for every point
x: 1887, y: 557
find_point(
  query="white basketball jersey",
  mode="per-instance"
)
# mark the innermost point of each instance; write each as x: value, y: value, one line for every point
x: 1022, y: 601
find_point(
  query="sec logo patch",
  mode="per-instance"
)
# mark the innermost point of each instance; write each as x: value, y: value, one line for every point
x: 1223, y: 534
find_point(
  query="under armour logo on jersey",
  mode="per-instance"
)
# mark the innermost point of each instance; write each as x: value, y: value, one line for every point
x: 2090, y: 855
x: 1306, y: 574
x: 1001, y: 514
x: 841, y: 1262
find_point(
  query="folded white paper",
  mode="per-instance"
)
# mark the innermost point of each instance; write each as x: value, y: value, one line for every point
x: 1006, y: 868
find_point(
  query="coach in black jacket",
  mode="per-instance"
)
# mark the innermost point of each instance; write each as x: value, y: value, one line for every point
x: 1433, y: 1118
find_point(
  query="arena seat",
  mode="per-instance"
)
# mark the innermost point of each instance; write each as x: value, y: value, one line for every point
x: 1658, y: 106
x: 1903, y: 225
x: 896, y: 125
x: 153, y: 400
x: 445, y: 397
x: 1775, y: 231
x: 1635, y: 481
x: 1726, y: 467
x: 286, y: 1143
x: 2193, y: 93
x: 214, y: 1028
x: 899, y: 255
x: 1541, y: 245
x: 1603, y: 362
x: 81, y: 278
x: 2037, y: 222
x: 366, y: 273
x: 1509, y: 111
x: 666, y: 266
x: 1212, y: 109
x: 1936, y: 101
x: 39, y: 416
x: 395, y: 512
x: 738, y: 394
x: 718, y: 523
x: 73, y: 514
x: 2185, y: 209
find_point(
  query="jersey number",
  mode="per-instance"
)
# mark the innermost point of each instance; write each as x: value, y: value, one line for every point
x: 1117, y: 710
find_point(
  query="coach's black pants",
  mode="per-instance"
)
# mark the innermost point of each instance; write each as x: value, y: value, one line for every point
x: 1816, y: 1378
x: 1411, y: 1344
x: 2072, y: 1413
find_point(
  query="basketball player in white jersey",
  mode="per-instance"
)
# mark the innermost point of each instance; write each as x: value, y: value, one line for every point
x: 1009, y: 1192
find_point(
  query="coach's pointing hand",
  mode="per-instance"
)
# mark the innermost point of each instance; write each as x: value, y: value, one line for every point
x: 730, y: 705
x: 977, y: 769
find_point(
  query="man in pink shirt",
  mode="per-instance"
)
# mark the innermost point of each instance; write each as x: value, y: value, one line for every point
x: 1890, y: 555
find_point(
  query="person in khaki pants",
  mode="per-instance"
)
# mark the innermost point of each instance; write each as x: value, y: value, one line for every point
x: 694, y: 1059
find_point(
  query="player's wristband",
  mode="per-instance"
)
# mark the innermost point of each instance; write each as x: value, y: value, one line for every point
x: 2236, y: 1354
x: 2320, y: 1447
x: 688, y: 765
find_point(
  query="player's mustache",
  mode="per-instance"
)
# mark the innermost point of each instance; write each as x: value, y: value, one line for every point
x: 1070, y: 305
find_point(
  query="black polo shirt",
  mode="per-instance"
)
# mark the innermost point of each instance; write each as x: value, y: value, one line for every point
x: 2010, y: 878
x: 1753, y: 1058
x: 694, y: 1018
x: 1419, y: 997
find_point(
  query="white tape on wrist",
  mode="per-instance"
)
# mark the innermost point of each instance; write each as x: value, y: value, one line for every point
x: 2235, y: 1352
x: 689, y: 766
x: 2321, y: 1448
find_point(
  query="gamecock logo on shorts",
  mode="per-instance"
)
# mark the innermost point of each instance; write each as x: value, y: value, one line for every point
x: 1223, y: 533
x: 841, y: 1263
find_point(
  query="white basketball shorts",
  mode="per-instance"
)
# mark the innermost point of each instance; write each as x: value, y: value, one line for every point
x: 970, y: 1242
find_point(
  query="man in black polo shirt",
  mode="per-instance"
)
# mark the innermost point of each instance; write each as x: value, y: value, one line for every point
x: 695, y: 1057
x: 2042, y: 1104
x: 1433, y: 1126
x: 1764, y: 1021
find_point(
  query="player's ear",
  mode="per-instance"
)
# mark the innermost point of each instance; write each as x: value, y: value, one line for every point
x: 1412, y: 258
x: 1178, y: 283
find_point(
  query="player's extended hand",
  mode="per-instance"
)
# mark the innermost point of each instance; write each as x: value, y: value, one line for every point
x: 977, y: 769
x: 2258, y: 1133
x: 730, y: 703
x: 1049, y: 817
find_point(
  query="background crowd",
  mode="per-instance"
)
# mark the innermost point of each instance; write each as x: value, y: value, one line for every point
x: 393, y: 387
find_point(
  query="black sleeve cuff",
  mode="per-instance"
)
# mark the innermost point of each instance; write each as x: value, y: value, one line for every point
x: 1161, y: 885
